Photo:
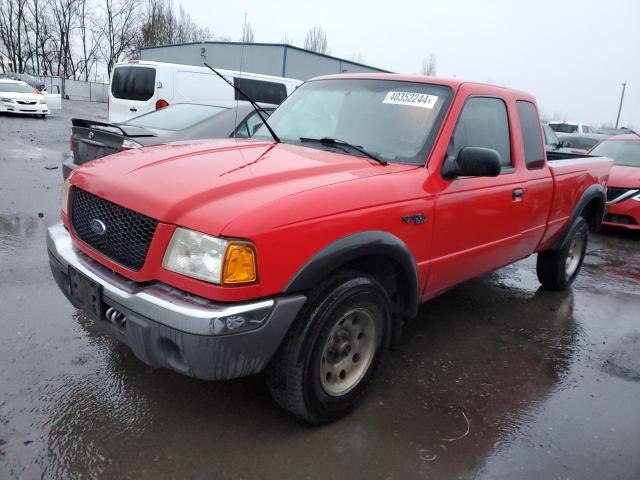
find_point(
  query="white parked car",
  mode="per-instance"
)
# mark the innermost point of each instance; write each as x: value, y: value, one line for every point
x: 570, y: 127
x: 139, y: 87
x: 20, y: 97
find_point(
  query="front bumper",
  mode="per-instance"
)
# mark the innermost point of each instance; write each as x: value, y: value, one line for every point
x: 625, y: 214
x: 14, y: 107
x: 169, y: 328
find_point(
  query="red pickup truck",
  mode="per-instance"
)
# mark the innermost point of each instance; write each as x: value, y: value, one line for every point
x: 305, y: 252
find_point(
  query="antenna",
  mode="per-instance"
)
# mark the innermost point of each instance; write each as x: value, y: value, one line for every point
x: 244, y: 29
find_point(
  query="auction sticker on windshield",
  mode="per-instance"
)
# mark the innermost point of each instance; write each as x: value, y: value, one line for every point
x: 412, y: 99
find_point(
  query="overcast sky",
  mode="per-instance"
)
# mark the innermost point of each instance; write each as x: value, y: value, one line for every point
x: 572, y: 55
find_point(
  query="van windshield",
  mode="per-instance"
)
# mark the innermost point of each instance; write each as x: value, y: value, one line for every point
x: 133, y: 83
x: 395, y: 121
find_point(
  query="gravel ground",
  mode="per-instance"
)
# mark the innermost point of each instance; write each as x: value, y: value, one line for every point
x: 496, y: 379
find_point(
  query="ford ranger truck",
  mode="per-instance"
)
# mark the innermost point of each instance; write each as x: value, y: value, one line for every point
x: 304, y: 253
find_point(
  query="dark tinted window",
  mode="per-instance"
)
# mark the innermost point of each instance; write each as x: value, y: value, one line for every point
x: 584, y: 143
x: 261, y: 91
x: 564, y: 128
x: 530, y: 127
x: 483, y: 123
x: 133, y: 83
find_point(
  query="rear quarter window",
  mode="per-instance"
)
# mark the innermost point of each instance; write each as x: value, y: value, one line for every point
x: 531, y: 135
x: 133, y: 83
x: 260, y: 91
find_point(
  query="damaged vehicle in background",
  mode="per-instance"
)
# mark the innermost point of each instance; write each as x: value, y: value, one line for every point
x: 180, y: 122
x: 19, y: 97
x: 623, y: 194
x: 304, y: 250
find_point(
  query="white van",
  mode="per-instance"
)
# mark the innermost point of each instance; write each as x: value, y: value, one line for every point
x: 139, y: 87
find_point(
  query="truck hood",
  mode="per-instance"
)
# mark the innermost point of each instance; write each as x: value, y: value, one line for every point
x: 206, y: 185
x: 624, y: 177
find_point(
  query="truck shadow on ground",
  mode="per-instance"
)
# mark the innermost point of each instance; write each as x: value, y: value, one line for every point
x: 472, y: 365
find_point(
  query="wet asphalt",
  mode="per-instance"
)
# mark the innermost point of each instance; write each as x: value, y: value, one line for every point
x: 496, y: 379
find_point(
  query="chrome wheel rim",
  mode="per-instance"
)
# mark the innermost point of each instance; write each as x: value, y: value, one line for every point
x: 575, y: 255
x: 348, y: 352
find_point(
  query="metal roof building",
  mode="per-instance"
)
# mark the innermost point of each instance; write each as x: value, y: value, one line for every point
x: 267, y: 58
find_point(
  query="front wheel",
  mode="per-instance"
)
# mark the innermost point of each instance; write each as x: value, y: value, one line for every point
x: 323, y: 367
x: 557, y: 269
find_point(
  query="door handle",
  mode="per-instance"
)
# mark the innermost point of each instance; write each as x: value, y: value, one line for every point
x: 133, y: 109
x: 517, y: 194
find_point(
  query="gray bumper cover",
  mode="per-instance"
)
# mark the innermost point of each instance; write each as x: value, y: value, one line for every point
x: 169, y: 328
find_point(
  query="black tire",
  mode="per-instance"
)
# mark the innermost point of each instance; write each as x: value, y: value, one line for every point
x: 553, y: 265
x: 294, y: 374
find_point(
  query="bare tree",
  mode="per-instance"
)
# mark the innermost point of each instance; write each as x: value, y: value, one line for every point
x: 121, y: 26
x: 429, y: 66
x: 357, y: 57
x: 316, y: 40
x: 287, y: 40
x: 247, y: 33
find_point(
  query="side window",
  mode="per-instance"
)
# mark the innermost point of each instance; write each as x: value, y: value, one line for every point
x: 483, y: 123
x: 261, y: 91
x: 245, y: 129
x: 586, y: 129
x: 530, y: 127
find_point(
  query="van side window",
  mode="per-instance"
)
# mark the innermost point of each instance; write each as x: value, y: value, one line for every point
x: 133, y: 83
x: 530, y: 127
x: 261, y: 91
x: 483, y: 122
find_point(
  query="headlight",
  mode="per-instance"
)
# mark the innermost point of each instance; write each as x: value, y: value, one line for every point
x: 637, y: 198
x: 64, y: 196
x: 5, y: 99
x: 211, y: 259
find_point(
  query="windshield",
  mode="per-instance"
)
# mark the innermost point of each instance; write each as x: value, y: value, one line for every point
x: 394, y: 120
x: 176, y: 117
x: 623, y: 152
x: 564, y: 128
x: 7, y: 87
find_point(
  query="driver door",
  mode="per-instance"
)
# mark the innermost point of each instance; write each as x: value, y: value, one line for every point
x: 478, y: 220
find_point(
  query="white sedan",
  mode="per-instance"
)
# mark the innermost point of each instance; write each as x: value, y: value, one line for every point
x: 19, y: 97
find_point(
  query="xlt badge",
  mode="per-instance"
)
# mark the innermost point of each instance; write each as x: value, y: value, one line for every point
x: 418, y: 218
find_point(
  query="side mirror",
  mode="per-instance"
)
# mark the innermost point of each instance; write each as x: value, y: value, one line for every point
x: 473, y: 162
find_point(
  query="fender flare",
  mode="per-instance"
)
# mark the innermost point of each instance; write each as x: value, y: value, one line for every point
x: 352, y: 247
x: 595, y: 191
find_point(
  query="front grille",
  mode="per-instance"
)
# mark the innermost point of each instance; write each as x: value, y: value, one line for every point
x: 621, y: 219
x: 27, y: 102
x: 127, y: 235
x: 615, y: 192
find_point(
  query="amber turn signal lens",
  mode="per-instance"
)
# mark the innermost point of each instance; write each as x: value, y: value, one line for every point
x: 239, y: 264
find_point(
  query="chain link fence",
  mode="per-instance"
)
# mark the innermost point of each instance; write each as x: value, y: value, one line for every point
x: 75, y: 89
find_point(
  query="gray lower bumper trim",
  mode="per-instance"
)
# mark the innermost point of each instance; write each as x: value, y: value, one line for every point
x: 168, y: 328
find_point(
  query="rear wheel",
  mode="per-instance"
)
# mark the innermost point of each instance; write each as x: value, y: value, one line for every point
x: 557, y: 269
x: 323, y: 367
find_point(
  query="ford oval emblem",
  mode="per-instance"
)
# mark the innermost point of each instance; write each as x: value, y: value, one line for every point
x: 97, y: 226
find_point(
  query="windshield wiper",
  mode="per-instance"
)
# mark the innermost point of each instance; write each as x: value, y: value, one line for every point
x: 334, y: 142
x: 255, y: 106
